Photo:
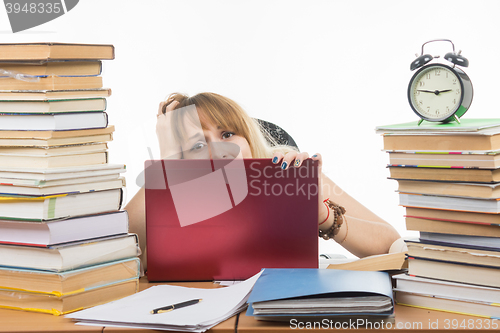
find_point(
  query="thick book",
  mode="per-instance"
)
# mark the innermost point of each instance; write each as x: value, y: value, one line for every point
x: 69, y: 256
x: 414, y: 172
x: 466, y: 125
x: 47, y: 139
x: 54, y: 106
x: 451, y: 203
x: 485, y: 160
x: 42, y: 185
x: 53, y: 232
x: 40, y: 208
x: 43, y: 52
x: 474, y: 190
x: 55, y: 142
x: 58, y: 161
x: 64, y: 283
x: 482, y: 275
x: 456, y: 228
x: 57, y: 68
x: 36, y: 302
x: 52, y: 83
x: 299, y: 293
x: 53, y: 121
x: 414, y: 284
x: 44, y: 95
x: 54, y: 150
x: 58, y: 176
x: 68, y: 187
x: 454, y: 216
x: 455, y: 253
x: 49, y: 135
x: 443, y: 142
x: 451, y: 304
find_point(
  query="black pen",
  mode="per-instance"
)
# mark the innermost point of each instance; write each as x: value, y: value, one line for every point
x: 176, y: 306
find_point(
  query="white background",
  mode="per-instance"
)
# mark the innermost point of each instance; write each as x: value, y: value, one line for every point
x: 328, y: 72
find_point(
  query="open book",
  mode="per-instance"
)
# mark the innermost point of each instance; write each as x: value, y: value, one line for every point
x: 381, y: 262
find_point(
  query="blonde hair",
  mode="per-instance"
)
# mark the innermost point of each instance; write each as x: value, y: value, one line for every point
x: 227, y: 114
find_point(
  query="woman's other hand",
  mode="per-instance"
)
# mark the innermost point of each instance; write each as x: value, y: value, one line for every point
x: 164, y: 132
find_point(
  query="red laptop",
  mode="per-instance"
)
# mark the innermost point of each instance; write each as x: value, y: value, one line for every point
x: 228, y: 219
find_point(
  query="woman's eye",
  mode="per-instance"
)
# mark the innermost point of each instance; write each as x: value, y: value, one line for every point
x: 198, y: 146
x: 227, y: 135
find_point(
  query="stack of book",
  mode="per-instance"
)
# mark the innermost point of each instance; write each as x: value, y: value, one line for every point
x: 64, y: 242
x: 449, y: 183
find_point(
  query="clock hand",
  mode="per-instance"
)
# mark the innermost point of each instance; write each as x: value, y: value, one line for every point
x: 437, y: 92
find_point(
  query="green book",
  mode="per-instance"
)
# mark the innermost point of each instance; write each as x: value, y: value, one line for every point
x: 466, y: 126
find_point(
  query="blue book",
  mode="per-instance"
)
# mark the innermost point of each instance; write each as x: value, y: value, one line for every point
x: 293, y: 293
x: 466, y: 241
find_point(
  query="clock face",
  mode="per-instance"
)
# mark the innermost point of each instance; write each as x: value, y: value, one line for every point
x: 435, y: 92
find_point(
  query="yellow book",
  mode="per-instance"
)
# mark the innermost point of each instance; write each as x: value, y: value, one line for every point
x: 70, y: 68
x: 58, y: 305
x: 69, y: 282
x: 52, y: 83
x: 448, y: 304
x: 46, y: 95
x: 55, y: 51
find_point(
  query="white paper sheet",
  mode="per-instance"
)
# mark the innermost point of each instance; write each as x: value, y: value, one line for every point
x: 134, y: 311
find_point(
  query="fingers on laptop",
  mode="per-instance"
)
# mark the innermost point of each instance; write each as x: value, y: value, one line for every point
x: 299, y: 158
x: 317, y: 157
x: 290, y: 159
x: 277, y: 157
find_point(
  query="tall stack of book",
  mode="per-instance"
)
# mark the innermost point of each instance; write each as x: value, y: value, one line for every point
x: 449, y: 183
x: 64, y: 242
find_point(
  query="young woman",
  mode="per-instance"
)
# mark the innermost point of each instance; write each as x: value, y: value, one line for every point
x: 216, y: 121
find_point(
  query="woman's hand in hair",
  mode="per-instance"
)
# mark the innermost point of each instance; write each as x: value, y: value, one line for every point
x: 166, y: 106
x: 294, y: 160
x: 164, y: 130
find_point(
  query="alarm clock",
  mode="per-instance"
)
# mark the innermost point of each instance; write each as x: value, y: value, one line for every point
x: 440, y: 91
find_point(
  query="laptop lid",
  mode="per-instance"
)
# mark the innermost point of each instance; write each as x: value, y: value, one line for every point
x: 228, y: 219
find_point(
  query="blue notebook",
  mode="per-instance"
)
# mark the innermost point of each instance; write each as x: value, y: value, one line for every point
x: 321, y: 285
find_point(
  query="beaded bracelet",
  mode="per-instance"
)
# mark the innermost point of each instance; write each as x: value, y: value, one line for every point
x: 327, y: 209
x: 338, y: 219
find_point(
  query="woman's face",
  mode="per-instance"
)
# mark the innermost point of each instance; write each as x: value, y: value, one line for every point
x: 213, y: 142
